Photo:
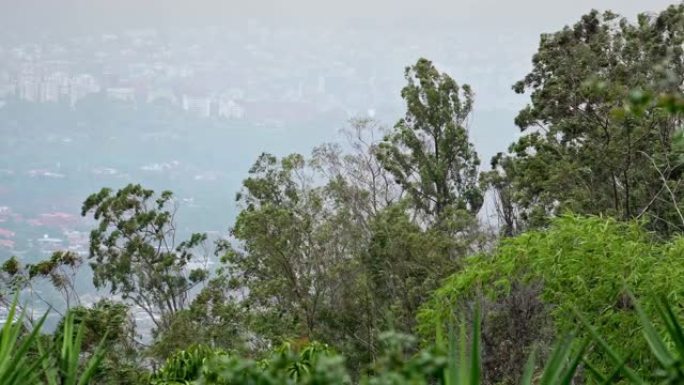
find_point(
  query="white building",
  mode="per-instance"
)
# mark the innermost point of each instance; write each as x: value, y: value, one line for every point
x: 199, y: 106
x: 229, y: 109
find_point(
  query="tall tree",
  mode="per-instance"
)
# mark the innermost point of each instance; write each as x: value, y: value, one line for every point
x: 579, y: 151
x: 428, y: 152
x: 288, y: 247
x: 134, y: 251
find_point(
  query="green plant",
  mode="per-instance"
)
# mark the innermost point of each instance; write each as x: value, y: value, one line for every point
x: 185, y: 366
x: 17, y: 367
x: 24, y: 360
x: 667, y: 352
x: 582, y: 264
x: 66, y: 368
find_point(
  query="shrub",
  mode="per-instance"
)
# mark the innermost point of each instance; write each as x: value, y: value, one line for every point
x: 581, y: 264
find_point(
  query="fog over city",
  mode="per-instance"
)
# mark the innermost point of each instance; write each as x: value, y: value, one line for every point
x: 185, y: 95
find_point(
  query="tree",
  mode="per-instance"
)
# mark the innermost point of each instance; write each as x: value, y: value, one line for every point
x: 326, y: 249
x: 134, y: 251
x: 288, y: 247
x: 403, y: 264
x: 354, y: 174
x: 214, y: 318
x: 301, y: 236
x: 580, y: 151
x: 428, y: 152
x: 359, y: 190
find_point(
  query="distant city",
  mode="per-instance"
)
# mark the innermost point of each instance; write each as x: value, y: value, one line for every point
x: 257, y: 73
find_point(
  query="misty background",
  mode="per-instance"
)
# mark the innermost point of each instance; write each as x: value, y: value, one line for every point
x: 184, y: 95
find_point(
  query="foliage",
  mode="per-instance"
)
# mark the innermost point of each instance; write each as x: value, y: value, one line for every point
x: 455, y: 360
x: 323, y: 258
x: 25, y: 360
x: 134, y: 252
x: 16, y: 365
x: 355, y: 176
x: 109, y: 323
x: 289, y: 364
x: 184, y: 366
x: 357, y: 239
x: 289, y: 247
x: 514, y: 326
x: 67, y: 368
x: 59, y: 270
x: 580, y: 151
x: 581, y: 264
x: 428, y: 152
x: 404, y: 264
x: 214, y: 318
x: 666, y: 352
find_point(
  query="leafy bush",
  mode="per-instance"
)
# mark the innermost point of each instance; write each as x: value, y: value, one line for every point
x: 185, y: 366
x: 582, y: 264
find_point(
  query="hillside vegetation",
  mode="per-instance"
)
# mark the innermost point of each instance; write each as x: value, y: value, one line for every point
x: 369, y: 261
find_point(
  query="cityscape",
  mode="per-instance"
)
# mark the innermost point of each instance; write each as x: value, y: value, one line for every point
x: 256, y: 73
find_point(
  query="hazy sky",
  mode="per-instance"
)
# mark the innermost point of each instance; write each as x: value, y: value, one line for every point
x: 482, y: 23
x: 79, y: 15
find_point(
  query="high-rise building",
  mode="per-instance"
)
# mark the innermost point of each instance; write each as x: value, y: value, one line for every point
x: 82, y: 86
x: 54, y: 87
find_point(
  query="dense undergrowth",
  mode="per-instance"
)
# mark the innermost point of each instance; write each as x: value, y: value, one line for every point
x: 455, y: 359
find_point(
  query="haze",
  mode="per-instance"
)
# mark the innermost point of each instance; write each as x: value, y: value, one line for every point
x: 82, y: 15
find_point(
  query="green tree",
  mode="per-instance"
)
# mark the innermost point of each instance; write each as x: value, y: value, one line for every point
x: 403, y: 264
x: 134, y: 251
x: 428, y: 152
x: 579, y: 151
x: 358, y: 189
x: 288, y: 247
x: 214, y: 318
x: 302, y: 234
